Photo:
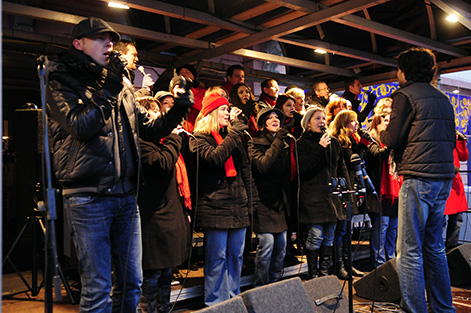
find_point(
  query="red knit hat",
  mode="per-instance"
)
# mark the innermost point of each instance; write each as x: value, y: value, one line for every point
x: 212, y: 102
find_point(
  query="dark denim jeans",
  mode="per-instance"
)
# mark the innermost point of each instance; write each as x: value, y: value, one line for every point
x: 157, y: 288
x: 106, y: 228
x: 421, y: 258
x: 223, y: 264
x: 382, y: 239
x: 271, y: 252
x: 320, y: 235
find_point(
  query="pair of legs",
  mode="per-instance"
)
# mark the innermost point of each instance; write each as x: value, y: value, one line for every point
x: 421, y: 258
x: 453, y: 230
x: 319, y: 242
x: 223, y: 264
x: 383, y: 236
x: 156, y: 289
x: 107, y: 228
x: 271, y: 252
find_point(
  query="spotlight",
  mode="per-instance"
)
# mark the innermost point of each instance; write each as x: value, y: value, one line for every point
x: 452, y: 18
x: 118, y: 5
x: 320, y: 51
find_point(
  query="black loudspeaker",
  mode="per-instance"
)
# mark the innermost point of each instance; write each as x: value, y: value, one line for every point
x: 28, y: 131
x: 459, y: 265
x: 326, y: 294
x: 386, y: 288
x: 234, y: 305
x: 280, y: 297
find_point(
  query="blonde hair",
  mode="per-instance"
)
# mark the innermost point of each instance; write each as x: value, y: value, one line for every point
x: 207, y: 124
x: 294, y: 92
x: 338, y: 128
x: 217, y: 90
x: 380, y: 107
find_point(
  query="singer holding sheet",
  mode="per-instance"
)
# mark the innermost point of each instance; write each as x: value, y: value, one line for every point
x: 320, y: 159
x: 226, y: 193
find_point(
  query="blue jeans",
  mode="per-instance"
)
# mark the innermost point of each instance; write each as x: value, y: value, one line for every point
x: 157, y: 286
x: 382, y: 239
x: 320, y: 235
x: 421, y: 259
x: 106, y: 228
x: 224, y: 250
x: 271, y: 252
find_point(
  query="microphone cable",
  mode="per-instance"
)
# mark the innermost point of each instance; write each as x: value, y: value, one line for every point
x: 190, y: 253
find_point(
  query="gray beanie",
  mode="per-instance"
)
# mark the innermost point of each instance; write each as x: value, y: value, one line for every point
x: 308, y: 115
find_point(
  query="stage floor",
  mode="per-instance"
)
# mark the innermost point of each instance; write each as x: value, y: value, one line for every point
x: 189, y: 298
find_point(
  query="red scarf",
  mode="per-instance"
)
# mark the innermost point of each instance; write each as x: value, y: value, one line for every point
x: 229, y: 165
x: 182, y: 180
x: 268, y: 100
x: 390, y: 182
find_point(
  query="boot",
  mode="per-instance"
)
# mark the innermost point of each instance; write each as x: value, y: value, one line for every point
x: 312, y: 256
x: 339, y: 265
x: 355, y: 272
x: 147, y: 306
x: 324, y: 260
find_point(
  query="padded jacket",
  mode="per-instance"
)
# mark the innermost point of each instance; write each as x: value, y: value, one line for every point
x: 85, y: 132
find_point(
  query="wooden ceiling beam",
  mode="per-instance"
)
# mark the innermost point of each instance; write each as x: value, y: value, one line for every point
x: 301, y: 23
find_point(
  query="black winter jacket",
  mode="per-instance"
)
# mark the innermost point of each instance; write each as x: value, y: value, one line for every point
x: 84, y: 124
x: 223, y: 202
x: 422, y: 132
x: 165, y: 227
x: 317, y: 166
x: 270, y: 163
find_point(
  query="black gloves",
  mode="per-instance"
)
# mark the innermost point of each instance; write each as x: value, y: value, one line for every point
x: 239, y: 127
x: 371, y: 97
x: 282, y: 134
x: 460, y: 136
x: 183, y: 95
x: 114, y: 78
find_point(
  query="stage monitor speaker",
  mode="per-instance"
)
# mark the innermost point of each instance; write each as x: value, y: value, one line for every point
x: 459, y: 265
x: 385, y: 289
x: 326, y: 294
x: 280, y: 297
x: 234, y: 305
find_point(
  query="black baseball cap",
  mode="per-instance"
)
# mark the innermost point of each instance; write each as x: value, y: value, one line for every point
x: 93, y: 26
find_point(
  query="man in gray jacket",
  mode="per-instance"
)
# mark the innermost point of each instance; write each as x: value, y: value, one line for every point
x: 422, y: 134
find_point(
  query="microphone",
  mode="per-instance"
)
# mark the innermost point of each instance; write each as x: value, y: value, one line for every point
x: 186, y: 132
x: 323, y: 129
x: 247, y: 133
x: 368, y: 180
x: 141, y: 70
x: 356, y: 162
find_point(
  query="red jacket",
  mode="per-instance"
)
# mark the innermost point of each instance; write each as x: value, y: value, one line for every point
x: 457, y: 201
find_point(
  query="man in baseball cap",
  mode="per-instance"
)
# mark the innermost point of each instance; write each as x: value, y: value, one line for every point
x: 95, y: 148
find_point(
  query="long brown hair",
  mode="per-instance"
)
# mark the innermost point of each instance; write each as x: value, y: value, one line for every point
x: 338, y: 127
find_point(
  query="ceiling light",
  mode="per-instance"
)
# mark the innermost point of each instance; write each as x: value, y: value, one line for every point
x: 320, y: 51
x: 452, y: 18
x: 456, y: 91
x: 112, y: 4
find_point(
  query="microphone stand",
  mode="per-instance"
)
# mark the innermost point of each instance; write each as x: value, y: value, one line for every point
x: 348, y: 265
x: 52, y: 277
